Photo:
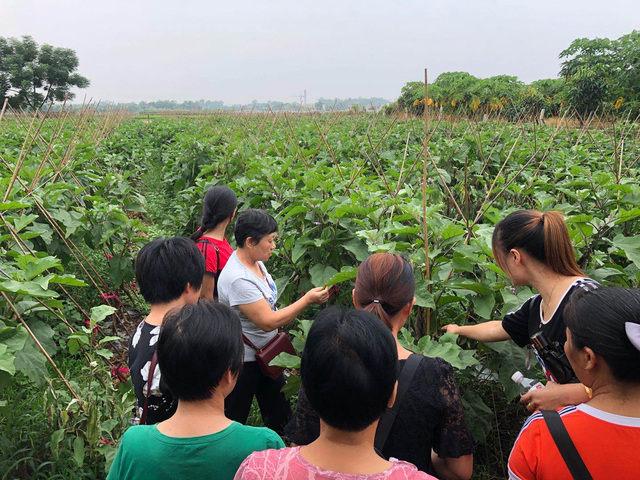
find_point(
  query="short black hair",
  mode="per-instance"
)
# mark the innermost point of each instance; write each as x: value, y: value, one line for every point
x: 255, y: 224
x: 349, y: 367
x: 198, y: 343
x: 165, y: 266
x: 596, y: 319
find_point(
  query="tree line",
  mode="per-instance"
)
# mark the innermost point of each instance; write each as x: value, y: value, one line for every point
x: 596, y: 75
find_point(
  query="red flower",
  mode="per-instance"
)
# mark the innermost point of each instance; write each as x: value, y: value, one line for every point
x: 106, y: 298
x: 87, y: 323
x: 120, y: 373
x: 108, y: 255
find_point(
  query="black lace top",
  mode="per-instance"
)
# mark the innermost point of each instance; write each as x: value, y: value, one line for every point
x: 431, y: 416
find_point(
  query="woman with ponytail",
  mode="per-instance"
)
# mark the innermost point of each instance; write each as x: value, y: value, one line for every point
x: 534, y: 248
x: 430, y: 429
x: 218, y: 210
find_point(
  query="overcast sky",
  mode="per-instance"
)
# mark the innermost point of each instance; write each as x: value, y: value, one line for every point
x: 244, y: 50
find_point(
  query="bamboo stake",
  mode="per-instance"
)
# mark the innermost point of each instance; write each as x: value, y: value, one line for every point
x: 4, y: 107
x: 424, y: 192
x: 43, y: 350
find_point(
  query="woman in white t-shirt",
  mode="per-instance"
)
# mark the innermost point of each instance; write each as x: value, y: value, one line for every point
x: 246, y: 286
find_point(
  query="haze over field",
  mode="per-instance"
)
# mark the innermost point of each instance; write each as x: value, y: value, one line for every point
x: 255, y: 50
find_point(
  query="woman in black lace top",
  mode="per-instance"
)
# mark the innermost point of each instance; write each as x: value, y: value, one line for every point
x: 430, y: 430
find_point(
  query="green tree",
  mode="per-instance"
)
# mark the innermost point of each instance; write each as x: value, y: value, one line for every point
x: 32, y: 75
x: 603, y: 70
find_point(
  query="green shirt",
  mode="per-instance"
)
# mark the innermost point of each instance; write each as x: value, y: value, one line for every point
x: 146, y: 453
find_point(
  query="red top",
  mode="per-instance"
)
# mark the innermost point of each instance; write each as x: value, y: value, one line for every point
x: 207, y: 247
x: 607, y: 443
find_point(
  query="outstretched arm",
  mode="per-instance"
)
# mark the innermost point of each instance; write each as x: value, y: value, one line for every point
x: 492, y: 331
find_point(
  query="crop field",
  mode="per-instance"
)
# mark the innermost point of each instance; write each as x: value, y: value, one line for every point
x: 84, y: 190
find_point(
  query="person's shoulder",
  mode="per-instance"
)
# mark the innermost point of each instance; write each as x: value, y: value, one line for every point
x: 271, y: 456
x: 137, y: 434
x: 406, y: 470
x: 536, y: 423
x: 584, y: 283
x: 433, y: 367
x: 263, y: 437
x: 232, y: 270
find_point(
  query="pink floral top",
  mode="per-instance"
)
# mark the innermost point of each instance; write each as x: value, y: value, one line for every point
x: 288, y: 464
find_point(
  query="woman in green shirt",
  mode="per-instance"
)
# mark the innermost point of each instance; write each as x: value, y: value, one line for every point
x: 200, y: 354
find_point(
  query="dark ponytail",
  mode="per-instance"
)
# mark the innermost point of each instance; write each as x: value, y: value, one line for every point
x: 597, y: 318
x: 542, y: 235
x: 219, y: 204
x: 384, y: 285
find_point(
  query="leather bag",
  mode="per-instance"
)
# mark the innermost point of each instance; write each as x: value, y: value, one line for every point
x: 278, y: 344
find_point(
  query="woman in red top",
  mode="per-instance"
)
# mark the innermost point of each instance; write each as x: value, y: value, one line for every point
x: 218, y: 210
x: 603, y: 346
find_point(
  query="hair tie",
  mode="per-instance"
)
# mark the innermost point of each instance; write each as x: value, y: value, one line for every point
x: 633, y: 333
x: 375, y: 300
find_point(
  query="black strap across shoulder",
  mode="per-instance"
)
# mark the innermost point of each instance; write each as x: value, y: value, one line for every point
x: 217, y: 272
x: 389, y: 417
x: 565, y: 445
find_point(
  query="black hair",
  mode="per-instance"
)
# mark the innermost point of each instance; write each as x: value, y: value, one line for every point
x: 349, y: 368
x: 165, y: 266
x: 198, y: 344
x: 596, y: 319
x: 219, y: 204
x: 255, y: 224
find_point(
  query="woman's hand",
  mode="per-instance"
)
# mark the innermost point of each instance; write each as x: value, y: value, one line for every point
x: 317, y: 295
x: 553, y: 396
x: 451, y: 328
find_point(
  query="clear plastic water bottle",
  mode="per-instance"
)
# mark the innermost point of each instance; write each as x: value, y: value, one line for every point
x: 526, y: 384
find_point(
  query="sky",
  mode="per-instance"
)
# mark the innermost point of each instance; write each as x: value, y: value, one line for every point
x: 237, y: 52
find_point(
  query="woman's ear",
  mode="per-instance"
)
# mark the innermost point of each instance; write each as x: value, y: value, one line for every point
x: 587, y: 359
x: 406, y: 310
x: 516, y: 256
x: 392, y: 399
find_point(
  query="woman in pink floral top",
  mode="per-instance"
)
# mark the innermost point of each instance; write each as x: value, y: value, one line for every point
x: 288, y: 464
x: 348, y: 372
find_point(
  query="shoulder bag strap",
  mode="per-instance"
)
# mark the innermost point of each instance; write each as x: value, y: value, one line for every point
x: 565, y: 445
x: 217, y: 274
x: 249, y: 342
x: 152, y: 369
x: 389, y: 417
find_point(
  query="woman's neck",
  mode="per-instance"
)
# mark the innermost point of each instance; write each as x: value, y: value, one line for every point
x: 159, y: 310
x: 620, y: 399
x: 246, y: 259
x: 194, y: 419
x: 218, y: 231
x: 345, y: 452
x: 403, y: 353
x: 552, y: 287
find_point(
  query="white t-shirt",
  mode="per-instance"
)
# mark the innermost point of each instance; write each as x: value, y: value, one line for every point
x: 237, y: 285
